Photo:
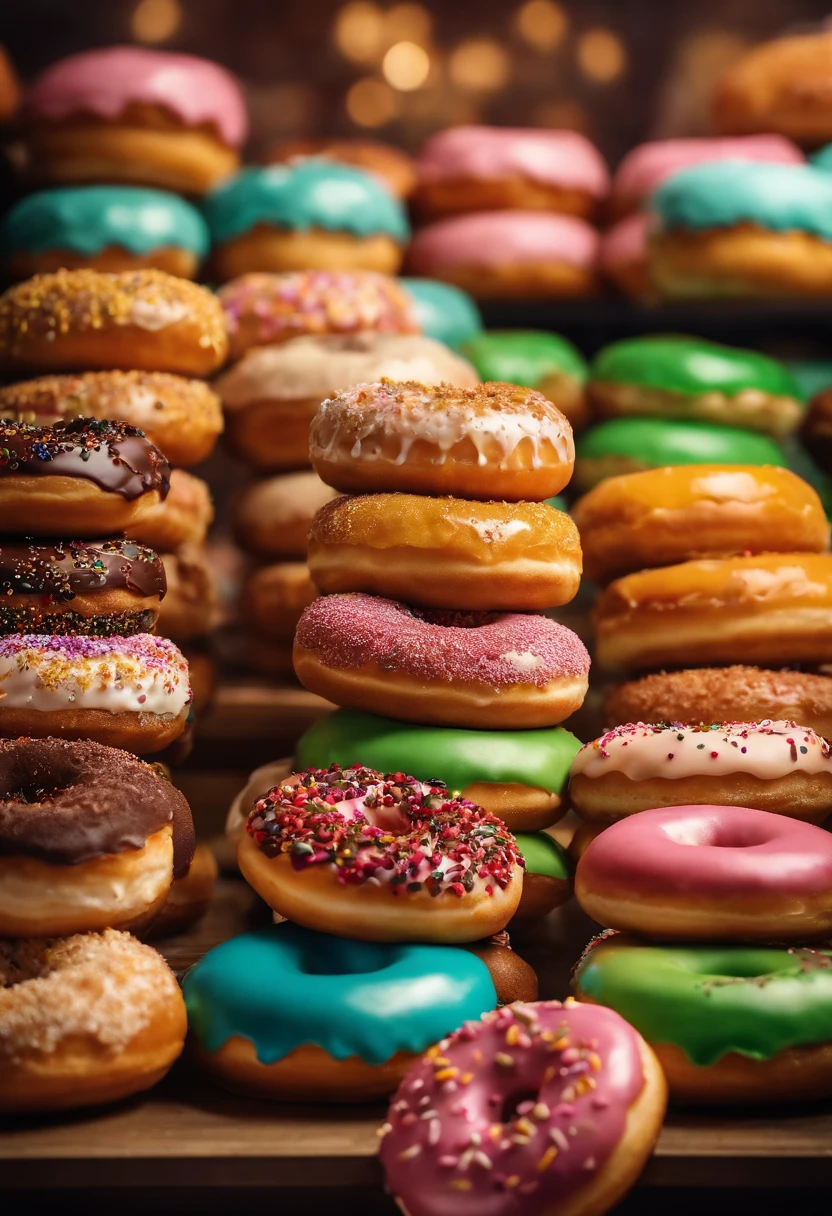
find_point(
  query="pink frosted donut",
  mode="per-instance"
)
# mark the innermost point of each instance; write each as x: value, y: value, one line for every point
x: 537, y: 1108
x: 480, y: 669
x: 710, y: 873
x: 624, y: 255
x: 509, y: 253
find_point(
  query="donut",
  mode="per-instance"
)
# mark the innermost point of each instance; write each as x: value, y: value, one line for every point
x: 112, y: 228
x: 129, y: 114
x: 270, y: 519
x: 779, y: 86
x: 90, y: 838
x: 623, y: 256
x: 84, y: 1020
x: 203, y: 674
x: 476, y: 168
x: 384, y: 161
x: 308, y: 215
x: 82, y: 320
x: 444, y: 668
x: 124, y: 692
x: 507, y: 255
x: 84, y: 477
x: 673, y: 377
x: 188, y: 898
x: 732, y: 228
x: 495, y: 441
x: 183, y: 518
x: 287, y: 1014
x: 778, y: 767
x: 384, y: 859
x: 181, y: 417
x: 664, y: 516
x: 443, y: 312
x: 817, y: 429
x: 447, y: 552
x: 775, y: 608
x: 272, y: 394
x: 265, y: 309
x: 540, y: 360
x: 727, y: 694
x: 517, y: 775
x: 191, y: 608
x: 627, y: 445
x: 103, y: 587
x: 729, y: 1024
x: 258, y: 785
x: 274, y: 599
x: 564, y: 1104
x: 547, y: 876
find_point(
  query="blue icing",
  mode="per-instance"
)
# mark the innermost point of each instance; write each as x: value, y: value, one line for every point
x: 315, y: 193
x: 87, y: 219
x: 283, y: 986
x: 720, y: 194
x: 443, y: 311
x: 822, y: 159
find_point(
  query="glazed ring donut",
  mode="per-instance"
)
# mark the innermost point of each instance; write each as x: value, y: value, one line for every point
x: 90, y: 838
x: 181, y: 417
x: 664, y: 516
x: 565, y: 1103
x: 189, y: 896
x: 190, y: 608
x: 447, y: 552
x: 271, y: 519
x: 393, y: 166
x: 274, y: 599
x: 775, y: 608
x: 547, y: 876
x: 311, y: 845
x: 780, y: 86
x: 124, y: 692
x: 496, y: 441
x: 489, y: 670
x: 775, y: 766
x: 84, y: 1020
x: 182, y: 519
x: 80, y: 320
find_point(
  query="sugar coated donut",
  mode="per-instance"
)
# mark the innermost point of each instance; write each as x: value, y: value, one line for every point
x: 183, y: 518
x: 310, y: 214
x: 181, y: 417
x: 496, y: 441
x: 191, y: 607
x: 90, y: 838
x: 779, y: 86
x: 729, y: 1024
x: 126, y: 692
x: 275, y: 597
x: 509, y: 254
x: 776, y: 766
x: 130, y: 114
x: 547, y: 876
x: 443, y: 312
x: 543, y: 361
x: 272, y: 394
x: 775, y: 608
x: 664, y: 516
x: 360, y: 855
x: 445, y: 668
x: 690, y: 378
x: 384, y: 161
x: 564, y: 1103
x: 189, y: 895
x: 271, y: 518
x: 623, y: 256
x: 517, y: 775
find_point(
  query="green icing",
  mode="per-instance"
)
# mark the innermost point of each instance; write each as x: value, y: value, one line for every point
x: 283, y: 986
x: 711, y: 1000
x: 87, y: 219
x: 822, y: 159
x: 539, y: 758
x: 812, y: 375
x: 655, y: 442
x: 543, y: 855
x: 443, y: 311
x: 524, y: 356
x: 559, y: 503
x: 312, y: 194
x: 692, y: 366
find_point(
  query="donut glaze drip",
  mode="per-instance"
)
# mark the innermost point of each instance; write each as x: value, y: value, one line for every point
x: 62, y: 569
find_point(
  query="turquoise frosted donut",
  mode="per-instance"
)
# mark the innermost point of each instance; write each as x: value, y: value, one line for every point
x: 443, y: 311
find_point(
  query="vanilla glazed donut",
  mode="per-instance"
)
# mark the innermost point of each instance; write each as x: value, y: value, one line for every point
x: 775, y: 766
x: 182, y: 519
x: 360, y: 855
x: 191, y: 607
x: 489, y: 670
x: 189, y: 896
x: 90, y: 838
x: 274, y: 599
x: 271, y: 519
x: 496, y: 441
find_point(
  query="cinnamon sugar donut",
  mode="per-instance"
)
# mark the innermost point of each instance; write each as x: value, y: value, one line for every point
x: 271, y: 519
x: 191, y: 608
x: 182, y: 519
x: 274, y: 598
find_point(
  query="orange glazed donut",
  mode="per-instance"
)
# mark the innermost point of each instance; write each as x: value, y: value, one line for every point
x: 86, y: 319
x: 275, y: 597
x: 182, y: 519
x: 271, y: 519
x: 775, y: 609
x: 190, y: 608
x: 83, y: 1020
x: 663, y: 516
x: 780, y: 86
x: 495, y: 441
x: 446, y: 552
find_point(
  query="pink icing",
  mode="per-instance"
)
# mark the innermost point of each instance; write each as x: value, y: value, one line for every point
x: 558, y: 158
x: 625, y: 242
x: 104, y: 81
x: 513, y: 1113
x: 495, y: 649
x: 497, y: 238
x: 647, y: 166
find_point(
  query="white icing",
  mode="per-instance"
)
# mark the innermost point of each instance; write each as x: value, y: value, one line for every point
x: 117, y: 683
x: 498, y: 531
x: 154, y: 314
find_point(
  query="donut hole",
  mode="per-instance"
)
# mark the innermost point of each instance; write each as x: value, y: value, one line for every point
x: 363, y: 960
x: 512, y: 1103
x: 451, y: 618
x: 34, y: 794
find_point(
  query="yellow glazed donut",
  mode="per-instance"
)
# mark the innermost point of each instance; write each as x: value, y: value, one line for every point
x: 271, y: 518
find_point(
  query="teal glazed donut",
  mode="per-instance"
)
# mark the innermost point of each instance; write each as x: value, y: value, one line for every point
x: 443, y: 311
x: 545, y: 361
x: 547, y: 879
x: 728, y: 1023
x: 110, y: 228
x: 286, y: 1012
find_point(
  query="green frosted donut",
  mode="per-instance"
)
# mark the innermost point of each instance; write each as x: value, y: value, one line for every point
x: 443, y: 311
x: 525, y: 356
x: 543, y: 855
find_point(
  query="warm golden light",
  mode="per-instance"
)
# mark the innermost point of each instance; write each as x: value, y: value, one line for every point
x: 359, y: 31
x: 371, y: 103
x: 542, y: 23
x: 406, y: 66
x: 602, y: 55
x: 479, y: 64
x: 564, y: 114
x: 156, y: 20
x: 407, y: 22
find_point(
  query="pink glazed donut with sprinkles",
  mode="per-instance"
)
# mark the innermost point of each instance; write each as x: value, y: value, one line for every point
x: 489, y: 670
x: 548, y: 1109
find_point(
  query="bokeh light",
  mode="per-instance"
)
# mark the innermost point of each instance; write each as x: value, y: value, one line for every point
x: 156, y: 20
x: 407, y: 22
x: 565, y: 113
x: 406, y: 66
x: 359, y: 32
x: 602, y: 55
x: 542, y: 23
x: 479, y: 64
x: 371, y: 103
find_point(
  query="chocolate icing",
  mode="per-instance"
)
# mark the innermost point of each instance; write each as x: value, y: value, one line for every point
x: 65, y: 803
x: 63, y: 569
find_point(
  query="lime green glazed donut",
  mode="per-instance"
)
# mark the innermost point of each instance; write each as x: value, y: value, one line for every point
x: 539, y: 360
x: 547, y: 878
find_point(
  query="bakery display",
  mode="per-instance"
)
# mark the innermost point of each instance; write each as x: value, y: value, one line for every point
x: 443, y: 311
x: 546, y: 362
